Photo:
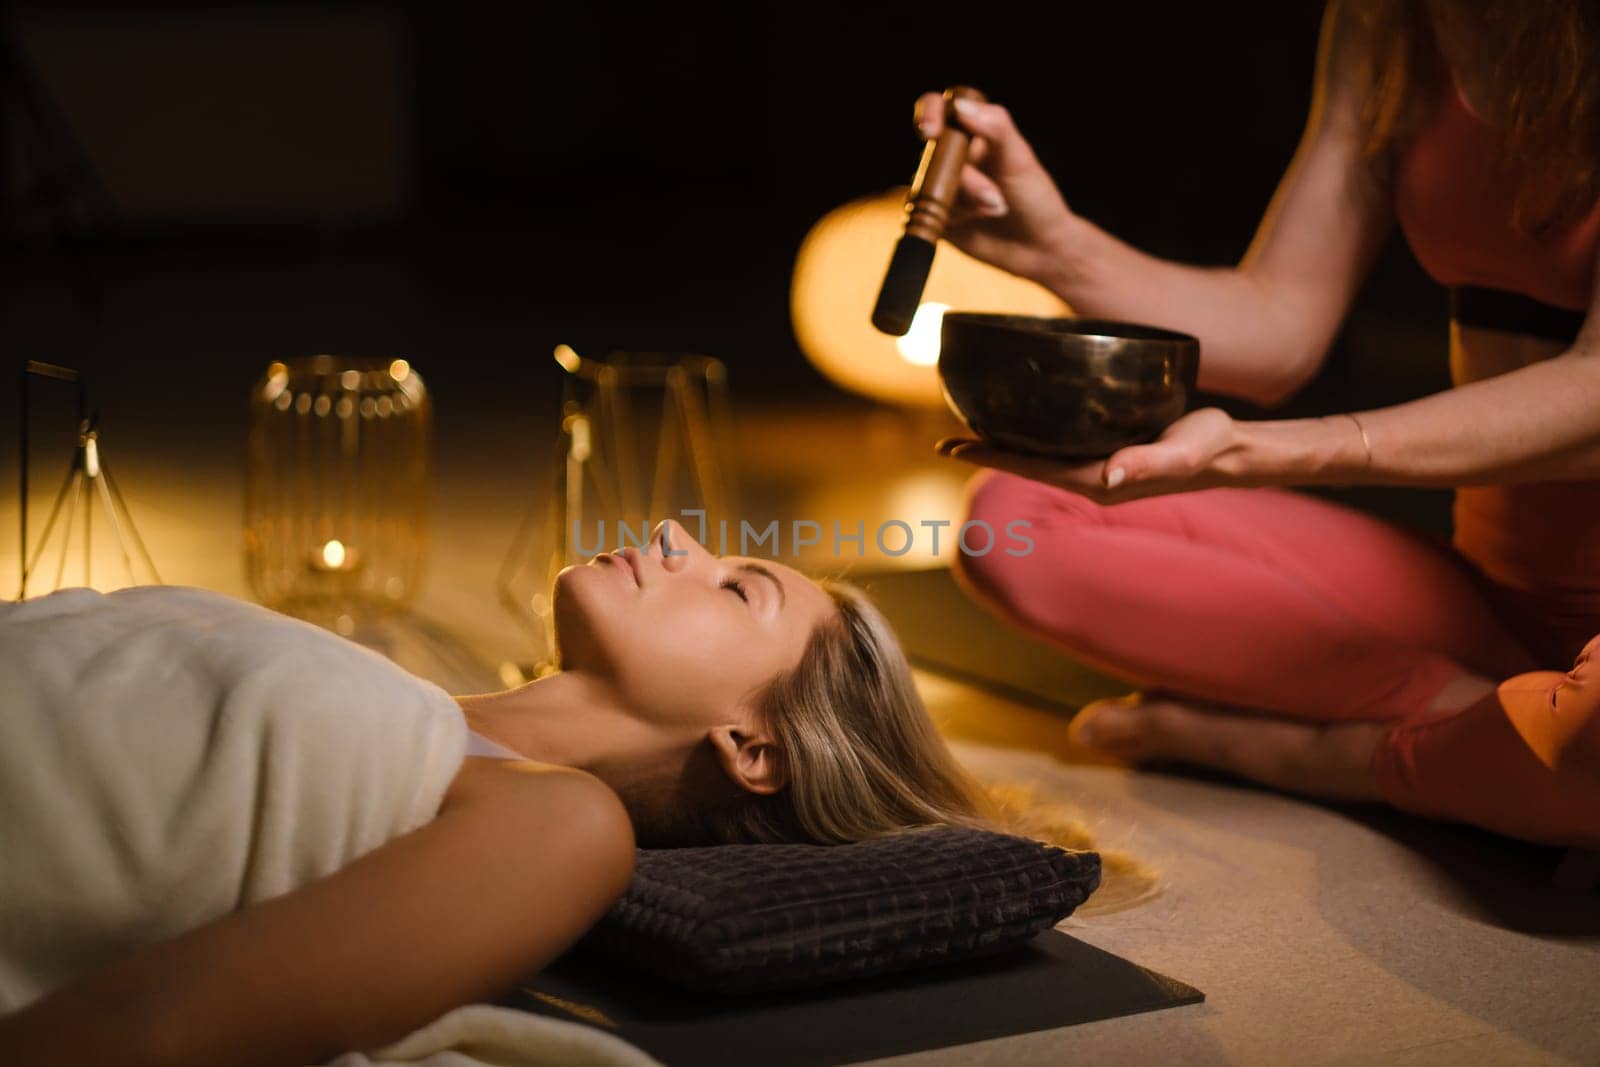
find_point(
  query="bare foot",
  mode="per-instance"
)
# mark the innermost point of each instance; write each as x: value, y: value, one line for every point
x: 1325, y: 760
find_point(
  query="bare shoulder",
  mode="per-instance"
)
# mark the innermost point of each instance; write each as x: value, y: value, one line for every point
x: 1347, y: 30
x: 1344, y: 57
x: 520, y: 792
x: 521, y: 860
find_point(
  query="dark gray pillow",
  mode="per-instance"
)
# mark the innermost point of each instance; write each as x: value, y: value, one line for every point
x: 749, y: 918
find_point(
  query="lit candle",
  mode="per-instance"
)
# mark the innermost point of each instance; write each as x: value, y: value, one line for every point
x: 335, y: 557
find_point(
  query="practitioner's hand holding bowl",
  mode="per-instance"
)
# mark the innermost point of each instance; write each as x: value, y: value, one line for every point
x: 1011, y: 214
x: 1200, y: 450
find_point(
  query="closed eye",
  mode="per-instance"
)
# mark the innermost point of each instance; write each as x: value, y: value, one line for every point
x: 738, y: 588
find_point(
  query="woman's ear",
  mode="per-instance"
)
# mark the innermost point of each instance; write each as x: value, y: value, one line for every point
x: 750, y: 759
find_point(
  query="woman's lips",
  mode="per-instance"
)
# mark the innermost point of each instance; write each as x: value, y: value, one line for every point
x: 635, y: 564
x: 630, y: 564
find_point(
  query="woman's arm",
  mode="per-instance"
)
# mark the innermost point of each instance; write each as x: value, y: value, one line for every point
x: 1537, y: 423
x: 517, y: 865
x: 1540, y: 422
x: 1265, y: 326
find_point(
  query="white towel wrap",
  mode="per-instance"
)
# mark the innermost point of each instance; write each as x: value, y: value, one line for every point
x: 169, y: 755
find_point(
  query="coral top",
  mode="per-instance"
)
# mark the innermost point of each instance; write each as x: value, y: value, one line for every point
x: 1454, y: 204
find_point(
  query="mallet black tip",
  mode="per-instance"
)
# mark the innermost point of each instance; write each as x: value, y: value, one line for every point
x: 902, y: 285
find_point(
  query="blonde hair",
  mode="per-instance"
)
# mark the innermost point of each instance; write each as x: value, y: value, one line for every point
x: 863, y: 760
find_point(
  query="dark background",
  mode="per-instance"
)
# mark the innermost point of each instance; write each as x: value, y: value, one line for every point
x: 467, y: 184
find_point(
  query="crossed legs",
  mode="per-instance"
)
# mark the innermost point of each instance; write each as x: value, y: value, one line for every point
x: 1290, y: 640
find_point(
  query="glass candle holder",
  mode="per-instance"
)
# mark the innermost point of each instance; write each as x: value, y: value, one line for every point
x: 336, y: 488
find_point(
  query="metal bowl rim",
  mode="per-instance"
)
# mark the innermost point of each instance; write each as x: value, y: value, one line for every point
x: 1066, y: 326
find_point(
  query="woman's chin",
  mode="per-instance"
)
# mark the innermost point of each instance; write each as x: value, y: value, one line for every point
x: 586, y: 603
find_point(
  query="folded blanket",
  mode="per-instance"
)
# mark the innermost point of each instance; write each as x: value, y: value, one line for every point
x: 170, y: 755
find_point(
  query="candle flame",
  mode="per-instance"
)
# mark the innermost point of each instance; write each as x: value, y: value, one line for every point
x: 333, y: 554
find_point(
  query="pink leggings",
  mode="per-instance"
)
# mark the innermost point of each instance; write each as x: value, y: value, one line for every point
x: 1291, y: 605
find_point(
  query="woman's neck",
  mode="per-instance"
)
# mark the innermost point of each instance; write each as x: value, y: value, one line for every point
x: 571, y: 719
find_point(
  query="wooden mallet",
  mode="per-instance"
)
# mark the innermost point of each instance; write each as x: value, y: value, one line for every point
x: 933, y: 192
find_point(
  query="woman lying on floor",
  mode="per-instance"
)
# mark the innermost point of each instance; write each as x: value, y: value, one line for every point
x: 1282, y: 636
x: 229, y: 837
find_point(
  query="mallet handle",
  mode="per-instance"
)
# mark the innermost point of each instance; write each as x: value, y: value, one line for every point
x: 933, y: 190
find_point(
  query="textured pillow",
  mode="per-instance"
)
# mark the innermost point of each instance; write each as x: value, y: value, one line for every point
x: 749, y: 918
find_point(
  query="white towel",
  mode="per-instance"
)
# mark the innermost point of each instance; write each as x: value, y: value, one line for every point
x: 482, y: 1035
x: 170, y: 755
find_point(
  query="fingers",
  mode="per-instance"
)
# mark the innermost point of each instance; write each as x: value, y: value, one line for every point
x: 995, y: 139
x: 992, y: 122
x: 1076, y: 476
x: 1087, y: 479
x: 929, y: 115
x: 985, y: 195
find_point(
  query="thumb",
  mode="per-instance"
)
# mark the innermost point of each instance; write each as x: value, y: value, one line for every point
x: 1119, y: 469
x: 1143, y: 463
x: 1128, y: 465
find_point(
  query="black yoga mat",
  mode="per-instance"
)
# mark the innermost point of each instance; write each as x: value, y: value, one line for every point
x: 1052, y: 981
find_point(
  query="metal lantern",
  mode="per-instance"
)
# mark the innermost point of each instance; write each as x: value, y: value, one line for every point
x: 336, y: 497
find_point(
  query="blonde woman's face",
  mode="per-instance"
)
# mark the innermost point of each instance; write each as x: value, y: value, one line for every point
x: 688, y: 638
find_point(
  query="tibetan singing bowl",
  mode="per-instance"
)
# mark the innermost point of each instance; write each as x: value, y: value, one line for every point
x: 1067, y: 388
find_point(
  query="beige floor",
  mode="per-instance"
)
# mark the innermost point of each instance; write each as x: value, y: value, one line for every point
x: 1318, y: 935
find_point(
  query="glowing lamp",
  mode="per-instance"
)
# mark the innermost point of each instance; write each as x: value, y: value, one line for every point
x: 836, y: 279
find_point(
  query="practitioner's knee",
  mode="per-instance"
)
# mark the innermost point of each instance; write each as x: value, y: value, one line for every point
x: 1558, y: 715
x: 1579, y: 688
x: 994, y: 495
x: 1524, y: 760
x: 1577, y: 701
x: 991, y: 495
x: 1585, y: 667
x: 1005, y: 538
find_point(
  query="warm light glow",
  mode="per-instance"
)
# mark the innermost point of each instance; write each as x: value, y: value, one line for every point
x: 920, y: 345
x: 277, y: 381
x: 400, y: 370
x: 836, y: 280
x: 578, y: 427
x: 333, y: 555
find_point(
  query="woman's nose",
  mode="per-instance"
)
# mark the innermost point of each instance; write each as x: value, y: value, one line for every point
x: 678, y: 549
